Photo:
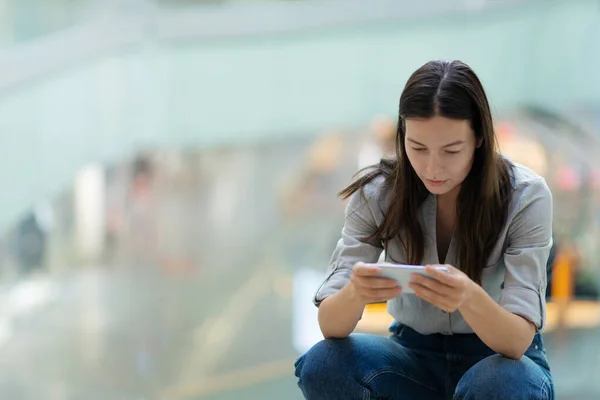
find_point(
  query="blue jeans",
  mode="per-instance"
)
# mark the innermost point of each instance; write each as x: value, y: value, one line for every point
x: 409, y: 365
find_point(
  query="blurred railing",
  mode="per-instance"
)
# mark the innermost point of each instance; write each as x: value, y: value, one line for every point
x: 23, y: 21
x: 125, y: 80
x: 40, y: 35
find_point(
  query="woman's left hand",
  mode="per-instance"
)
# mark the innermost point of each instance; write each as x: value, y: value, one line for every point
x: 445, y: 290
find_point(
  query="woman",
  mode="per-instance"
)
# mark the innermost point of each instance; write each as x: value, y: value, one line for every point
x: 449, y: 198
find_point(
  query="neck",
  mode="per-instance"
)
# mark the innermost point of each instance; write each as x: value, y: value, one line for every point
x: 447, y: 201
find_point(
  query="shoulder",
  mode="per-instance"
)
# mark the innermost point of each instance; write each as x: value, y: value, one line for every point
x: 531, y: 200
x: 376, y: 188
x: 372, y: 196
x: 527, y: 185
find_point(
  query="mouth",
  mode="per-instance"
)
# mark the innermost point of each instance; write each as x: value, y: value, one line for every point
x: 435, y: 183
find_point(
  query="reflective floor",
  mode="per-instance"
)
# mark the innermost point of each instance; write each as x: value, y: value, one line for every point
x: 202, y: 286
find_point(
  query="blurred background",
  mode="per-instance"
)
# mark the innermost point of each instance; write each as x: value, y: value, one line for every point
x: 169, y: 169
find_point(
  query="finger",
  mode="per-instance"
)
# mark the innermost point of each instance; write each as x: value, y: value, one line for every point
x: 430, y: 296
x: 376, y: 295
x: 373, y: 283
x: 366, y: 270
x: 431, y: 283
x: 446, y: 294
x: 448, y: 278
x: 378, y: 283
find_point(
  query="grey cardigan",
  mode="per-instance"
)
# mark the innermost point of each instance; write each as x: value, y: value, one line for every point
x: 514, y: 275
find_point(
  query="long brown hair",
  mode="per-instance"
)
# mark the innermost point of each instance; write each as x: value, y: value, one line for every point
x: 452, y: 90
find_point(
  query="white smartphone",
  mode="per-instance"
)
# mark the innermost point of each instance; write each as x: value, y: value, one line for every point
x: 401, y: 273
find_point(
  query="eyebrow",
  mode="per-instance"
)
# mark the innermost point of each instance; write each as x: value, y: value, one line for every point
x: 446, y: 145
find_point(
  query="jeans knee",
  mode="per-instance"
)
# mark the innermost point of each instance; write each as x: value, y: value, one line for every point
x: 317, y: 363
x: 333, y: 368
x: 498, y: 377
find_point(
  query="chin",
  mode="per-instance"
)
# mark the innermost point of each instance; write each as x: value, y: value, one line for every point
x: 440, y: 190
x: 437, y: 190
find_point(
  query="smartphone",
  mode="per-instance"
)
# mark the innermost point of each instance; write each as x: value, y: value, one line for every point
x: 401, y: 273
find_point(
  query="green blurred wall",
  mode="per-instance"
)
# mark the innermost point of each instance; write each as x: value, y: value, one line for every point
x: 200, y: 93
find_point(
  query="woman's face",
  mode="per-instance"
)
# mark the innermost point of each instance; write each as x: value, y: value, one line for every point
x: 440, y: 151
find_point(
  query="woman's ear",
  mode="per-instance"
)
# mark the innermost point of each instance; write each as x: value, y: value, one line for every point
x: 478, y: 142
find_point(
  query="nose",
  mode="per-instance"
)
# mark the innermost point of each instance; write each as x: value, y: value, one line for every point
x: 434, y: 166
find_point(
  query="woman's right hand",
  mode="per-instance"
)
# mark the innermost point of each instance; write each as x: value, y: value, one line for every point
x: 367, y: 285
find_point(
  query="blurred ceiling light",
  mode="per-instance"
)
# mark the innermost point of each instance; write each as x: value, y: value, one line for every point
x: 523, y: 151
x: 567, y: 178
x: 325, y: 154
x: 28, y: 295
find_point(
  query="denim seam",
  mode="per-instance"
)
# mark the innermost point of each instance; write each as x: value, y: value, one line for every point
x: 369, y: 378
x: 366, y: 394
x: 544, y: 388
